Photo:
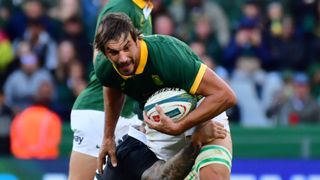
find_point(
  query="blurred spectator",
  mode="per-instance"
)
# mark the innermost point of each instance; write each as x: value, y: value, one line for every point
x: 22, y: 48
x: 66, y: 9
x: 177, y: 11
x: 23, y: 83
x: 248, y: 81
x: 315, y: 42
x: 76, y: 79
x: 36, y: 132
x: 6, y: 116
x: 6, y: 56
x: 204, y: 32
x: 40, y: 43
x: 298, y: 108
x: 45, y: 94
x: 65, y: 97
x: 200, y: 49
x: 32, y: 9
x: 315, y: 50
x: 74, y: 32
x: 251, y: 10
x: 303, y: 12
x: 215, y: 14
x: 315, y: 81
x: 247, y: 41
x: 163, y: 24
x: 4, y: 16
x: 265, y: 85
x: 317, y: 19
x: 66, y: 55
x: 76, y: 73
x: 251, y: 67
x: 282, y: 95
x: 273, y: 26
x: 90, y: 10
x: 103, y: 3
x: 287, y: 51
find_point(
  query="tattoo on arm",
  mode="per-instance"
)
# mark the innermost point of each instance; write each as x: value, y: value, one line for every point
x: 175, y: 168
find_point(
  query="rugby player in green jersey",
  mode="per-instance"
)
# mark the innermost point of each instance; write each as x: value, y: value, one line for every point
x: 138, y: 66
x: 87, y: 116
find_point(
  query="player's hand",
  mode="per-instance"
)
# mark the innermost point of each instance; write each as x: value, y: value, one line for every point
x: 208, y: 132
x: 165, y: 124
x: 108, y: 148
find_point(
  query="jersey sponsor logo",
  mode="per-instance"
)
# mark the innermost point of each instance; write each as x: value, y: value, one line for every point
x: 78, y: 139
x: 156, y: 79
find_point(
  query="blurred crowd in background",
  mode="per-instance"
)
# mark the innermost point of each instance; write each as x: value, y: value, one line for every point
x: 268, y: 51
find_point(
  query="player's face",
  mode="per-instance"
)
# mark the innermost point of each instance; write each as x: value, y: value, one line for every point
x: 124, y: 54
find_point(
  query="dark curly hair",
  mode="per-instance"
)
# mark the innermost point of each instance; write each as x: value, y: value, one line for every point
x: 112, y: 27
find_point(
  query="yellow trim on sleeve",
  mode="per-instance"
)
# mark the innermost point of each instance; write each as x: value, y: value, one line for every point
x: 198, y: 79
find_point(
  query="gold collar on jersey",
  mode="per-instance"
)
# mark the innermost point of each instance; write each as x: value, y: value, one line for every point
x: 142, y: 4
x: 142, y: 62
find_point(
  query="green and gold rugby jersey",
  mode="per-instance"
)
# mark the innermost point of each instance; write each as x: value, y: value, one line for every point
x: 134, y: 9
x: 164, y: 62
x: 92, y: 98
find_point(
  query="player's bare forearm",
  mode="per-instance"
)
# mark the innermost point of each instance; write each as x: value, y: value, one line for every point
x: 218, y: 98
x: 176, y: 168
x: 113, y: 102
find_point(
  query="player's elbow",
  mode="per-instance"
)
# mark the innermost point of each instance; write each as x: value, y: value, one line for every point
x: 230, y: 98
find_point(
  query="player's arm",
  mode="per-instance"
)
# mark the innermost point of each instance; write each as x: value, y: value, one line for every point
x: 218, y: 98
x: 177, y: 167
x: 113, y: 101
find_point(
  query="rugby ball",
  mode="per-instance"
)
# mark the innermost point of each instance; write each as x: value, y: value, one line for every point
x: 176, y: 103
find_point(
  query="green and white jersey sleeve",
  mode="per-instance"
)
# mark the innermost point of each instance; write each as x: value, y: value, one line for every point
x: 134, y: 9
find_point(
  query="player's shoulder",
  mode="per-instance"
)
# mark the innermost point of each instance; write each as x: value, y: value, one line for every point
x: 118, y: 6
x: 161, y: 39
x: 101, y: 63
x: 164, y: 43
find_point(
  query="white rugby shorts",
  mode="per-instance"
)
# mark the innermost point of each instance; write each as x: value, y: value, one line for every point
x: 88, y: 127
